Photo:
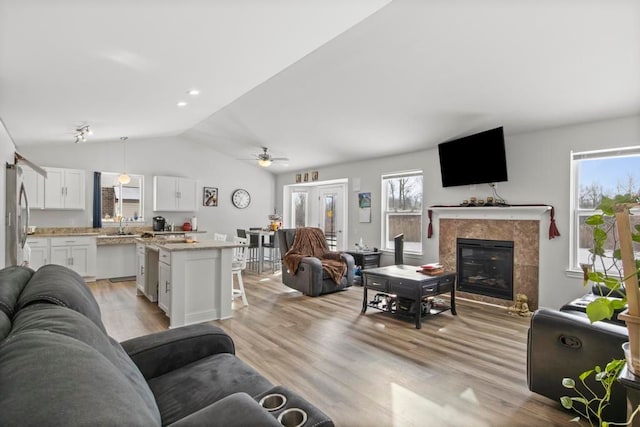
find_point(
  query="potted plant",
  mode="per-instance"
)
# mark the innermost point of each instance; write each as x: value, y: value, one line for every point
x: 613, y: 238
x: 605, y: 270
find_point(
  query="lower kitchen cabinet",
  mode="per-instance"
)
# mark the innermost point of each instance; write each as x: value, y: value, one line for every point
x: 39, y: 247
x: 164, y: 281
x: 147, y: 273
x: 77, y: 253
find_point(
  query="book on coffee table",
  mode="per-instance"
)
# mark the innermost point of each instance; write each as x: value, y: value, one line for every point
x: 432, y: 269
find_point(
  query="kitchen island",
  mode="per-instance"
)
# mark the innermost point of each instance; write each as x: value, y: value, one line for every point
x: 194, y: 281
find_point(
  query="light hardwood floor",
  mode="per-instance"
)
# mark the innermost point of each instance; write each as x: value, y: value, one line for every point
x: 372, y: 369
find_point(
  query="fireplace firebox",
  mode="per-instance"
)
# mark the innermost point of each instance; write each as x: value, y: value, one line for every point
x: 485, y: 267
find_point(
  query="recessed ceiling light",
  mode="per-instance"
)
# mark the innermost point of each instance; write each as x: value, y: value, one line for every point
x: 194, y: 92
x: 182, y: 104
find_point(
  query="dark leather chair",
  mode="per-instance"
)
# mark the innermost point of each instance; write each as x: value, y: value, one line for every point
x: 564, y: 344
x: 310, y: 279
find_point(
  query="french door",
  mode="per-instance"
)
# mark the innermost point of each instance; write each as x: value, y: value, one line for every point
x: 332, y: 216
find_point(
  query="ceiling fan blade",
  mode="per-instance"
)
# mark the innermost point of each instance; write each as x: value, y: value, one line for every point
x: 279, y: 159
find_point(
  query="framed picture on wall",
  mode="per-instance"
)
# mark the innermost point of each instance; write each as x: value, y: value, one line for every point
x: 298, y: 177
x: 306, y: 177
x: 209, y: 196
x: 314, y: 176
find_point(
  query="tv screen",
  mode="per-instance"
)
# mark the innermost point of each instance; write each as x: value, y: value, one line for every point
x: 475, y: 159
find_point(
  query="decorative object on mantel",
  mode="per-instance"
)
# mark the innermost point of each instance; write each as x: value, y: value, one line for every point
x: 553, y: 229
x: 314, y: 176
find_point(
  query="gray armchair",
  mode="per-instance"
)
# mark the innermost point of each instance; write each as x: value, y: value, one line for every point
x: 310, y: 278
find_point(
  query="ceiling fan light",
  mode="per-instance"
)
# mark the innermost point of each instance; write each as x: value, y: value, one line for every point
x: 124, y: 178
x: 265, y: 163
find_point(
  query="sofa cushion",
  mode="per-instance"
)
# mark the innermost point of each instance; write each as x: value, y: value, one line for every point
x: 62, y: 286
x: 5, y: 325
x: 195, y: 386
x: 12, y: 281
x: 53, y: 379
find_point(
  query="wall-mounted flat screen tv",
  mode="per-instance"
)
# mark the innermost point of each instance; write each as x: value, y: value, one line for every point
x: 475, y: 159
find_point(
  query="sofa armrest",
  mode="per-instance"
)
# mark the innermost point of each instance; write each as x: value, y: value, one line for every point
x: 162, y: 352
x: 565, y: 344
x: 235, y: 410
x: 351, y: 266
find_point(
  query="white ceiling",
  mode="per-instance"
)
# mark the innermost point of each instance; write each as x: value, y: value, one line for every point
x: 317, y: 81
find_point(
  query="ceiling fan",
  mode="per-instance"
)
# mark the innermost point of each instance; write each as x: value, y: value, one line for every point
x: 265, y: 159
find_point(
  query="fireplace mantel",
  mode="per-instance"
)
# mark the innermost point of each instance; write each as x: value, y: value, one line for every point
x: 514, y: 213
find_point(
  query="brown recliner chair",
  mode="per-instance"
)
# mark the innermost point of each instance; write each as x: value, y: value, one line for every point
x: 310, y: 278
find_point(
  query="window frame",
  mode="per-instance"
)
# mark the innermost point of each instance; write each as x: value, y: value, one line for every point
x: 384, y: 223
x: 576, y: 211
x: 113, y: 220
x: 293, y: 206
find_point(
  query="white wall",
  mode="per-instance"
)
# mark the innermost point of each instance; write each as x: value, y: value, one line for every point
x: 6, y: 154
x: 164, y: 156
x: 538, y: 167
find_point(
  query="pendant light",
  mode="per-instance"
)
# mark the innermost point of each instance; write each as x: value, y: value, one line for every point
x: 124, y: 178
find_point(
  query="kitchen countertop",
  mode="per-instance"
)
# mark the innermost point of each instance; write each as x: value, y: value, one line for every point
x: 37, y: 235
x: 203, y: 244
x: 117, y: 239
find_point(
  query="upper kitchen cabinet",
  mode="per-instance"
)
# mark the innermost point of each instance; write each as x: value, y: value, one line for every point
x: 34, y: 185
x: 174, y: 194
x: 64, y: 189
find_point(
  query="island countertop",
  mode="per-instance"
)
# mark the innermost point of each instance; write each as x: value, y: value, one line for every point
x: 196, y: 245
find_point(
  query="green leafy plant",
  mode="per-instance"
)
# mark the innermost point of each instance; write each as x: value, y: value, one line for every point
x: 589, y: 404
x: 604, y: 267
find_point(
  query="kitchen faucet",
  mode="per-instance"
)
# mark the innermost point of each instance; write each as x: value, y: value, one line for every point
x: 121, y: 229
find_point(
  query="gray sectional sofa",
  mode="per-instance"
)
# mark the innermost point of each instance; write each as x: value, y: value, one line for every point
x: 58, y: 366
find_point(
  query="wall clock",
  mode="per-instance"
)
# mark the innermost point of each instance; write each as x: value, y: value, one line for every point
x: 241, y: 198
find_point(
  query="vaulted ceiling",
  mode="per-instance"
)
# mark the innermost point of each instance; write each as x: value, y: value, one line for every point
x: 316, y: 81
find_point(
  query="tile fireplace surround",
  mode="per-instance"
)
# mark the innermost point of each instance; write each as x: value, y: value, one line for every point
x: 518, y: 224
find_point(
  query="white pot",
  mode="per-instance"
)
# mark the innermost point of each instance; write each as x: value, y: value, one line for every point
x: 628, y: 358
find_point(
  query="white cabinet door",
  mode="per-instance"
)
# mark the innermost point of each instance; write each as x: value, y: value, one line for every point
x: 80, y: 259
x: 74, y: 189
x: 34, y: 184
x: 164, y: 287
x: 39, y: 247
x: 187, y: 194
x: 60, y: 255
x: 140, y: 276
x: 174, y: 194
x: 39, y: 257
x: 64, y: 189
x: 165, y: 193
x: 54, y: 189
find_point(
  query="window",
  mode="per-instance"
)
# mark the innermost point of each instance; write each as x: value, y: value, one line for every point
x: 124, y: 200
x: 613, y: 174
x: 299, y: 208
x: 402, y: 210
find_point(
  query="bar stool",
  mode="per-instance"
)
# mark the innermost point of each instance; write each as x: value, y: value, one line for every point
x: 274, y: 252
x: 238, y: 264
x: 252, y: 256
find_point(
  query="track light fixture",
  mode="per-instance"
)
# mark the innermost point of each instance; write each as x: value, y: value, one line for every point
x: 81, y: 133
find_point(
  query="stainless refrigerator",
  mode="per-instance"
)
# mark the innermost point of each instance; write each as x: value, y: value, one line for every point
x: 17, y: 210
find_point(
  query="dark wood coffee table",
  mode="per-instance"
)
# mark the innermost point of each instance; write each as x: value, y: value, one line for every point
x: 396, y: 285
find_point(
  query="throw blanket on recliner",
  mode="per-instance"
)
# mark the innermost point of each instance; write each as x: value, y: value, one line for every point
x: 310, y: 242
